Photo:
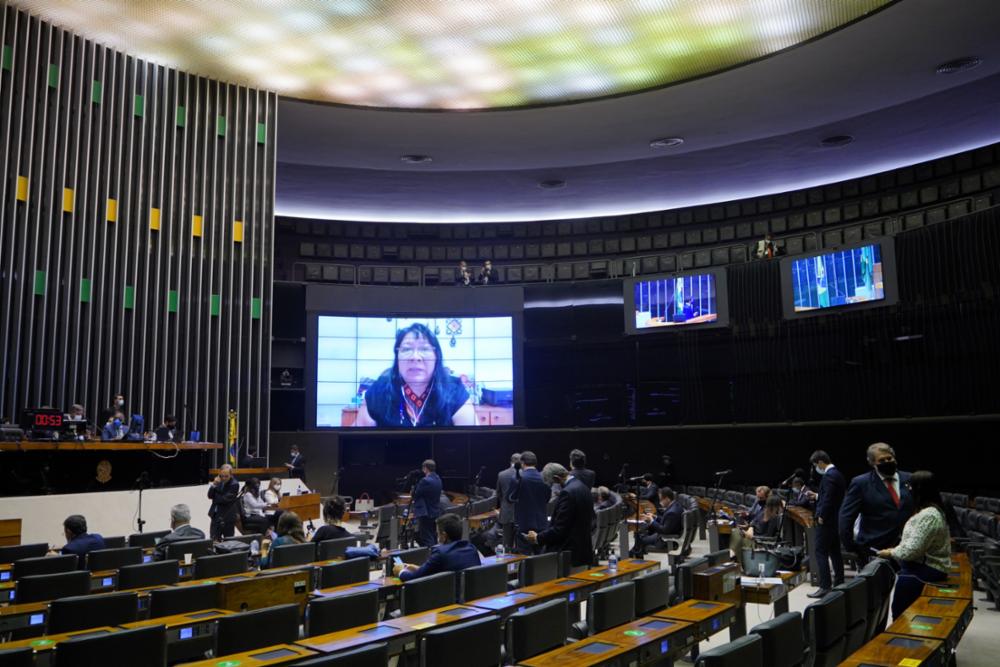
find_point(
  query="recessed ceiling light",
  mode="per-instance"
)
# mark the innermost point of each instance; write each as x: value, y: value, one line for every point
x: 959, y: 65
x: 552, y: 184
x: 666, y: 142
x: 416, y: 158
x: 836, y: 140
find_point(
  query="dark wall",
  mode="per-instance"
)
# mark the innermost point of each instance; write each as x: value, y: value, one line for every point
x: 136, y: 235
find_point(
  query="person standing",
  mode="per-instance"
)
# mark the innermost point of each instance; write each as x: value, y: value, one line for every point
x: 296, y: 464
x: 505, y: 481
x: 224, y: 492
x: 571, y: 519
x: 426, y: 504
x: 530, y: 495
x: 578, y: 468
x: 829, y: 499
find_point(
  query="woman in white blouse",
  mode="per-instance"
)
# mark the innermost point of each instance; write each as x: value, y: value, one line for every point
x: 254, y: 520
x: 272, y: 494
x: 924, y: 550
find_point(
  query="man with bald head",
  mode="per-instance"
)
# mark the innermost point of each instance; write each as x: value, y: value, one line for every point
x: 224, y: 492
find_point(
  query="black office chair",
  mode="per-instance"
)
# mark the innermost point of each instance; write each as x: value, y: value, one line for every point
x: 781, y: 640
x: 719, y: 557
x: 112, y: 559
x: 483, y: 580
x: 437, y: 590
x: 251, y: 630
x: 331, y: 614
x: 182, y: 599
x: 145, y: 647
x: 247, y: 538
x: 330, y: 549
x: 652, y: 592
x: 538, y: 569
x: 856, y: 599
x: 146, y: 540
x: 14, y: 552
x: 607, y: 608
x: 221, y: 565
x: 159, y: 573
x: 471, y: 644
x: 565, y: 563
x: 91, y: 611
x: 292, y: 554
x: 352, y: 571
x: 536, y: 630
x: 881, y: 579
x: 826, y: 625
x: 744, y: 652
x: 29, y: 567
x: 116, y: 542
x: 39, y: 587
x: 373, y: 655
x: 197, y: 549
x: 17, y: 657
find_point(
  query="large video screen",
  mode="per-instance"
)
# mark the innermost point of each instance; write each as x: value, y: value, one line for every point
x: 680, y: 301
x: 417, y: 372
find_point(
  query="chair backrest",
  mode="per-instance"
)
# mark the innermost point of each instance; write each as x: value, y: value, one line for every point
x: 652, y: 592
x: 39, y: 587
x: 697, y: 491
x: 28, y: 567
x: 146, y: 540
x: 145, y: 647
x: 251, y: 630
x: 182, y: 599
x: 471, y: 644
x: 373, y: 655
x: 539, y: 569
x: 719, y: 557
x: 610, y: 607
x: 565, y: 563
x: 881, y: 580
x: 292, y: 554
x: 415, y: 556
x: 247, y: 538
x: 112, y: 559
x: 781, y: 640
x: 159, y: 573
x: 684, y: 574
x: 197, y: 549
x: 826, y: 626
x: 536, y: 630
x: 115, y: 542
x: 221, y: 565
x: 341, y: 612
x: 744, y: 652
x: 689, y: 521
x: 17, y: 657
x: 437, y: 590
x: 856, y: 601
x: 483, y: 580
x: 15, y: 552
x: 329, y: 549
x: 91, y: 611
x: 351, y: 571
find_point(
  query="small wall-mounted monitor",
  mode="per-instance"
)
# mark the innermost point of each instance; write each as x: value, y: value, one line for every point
x: 845, y: 278
x: 691, y: 300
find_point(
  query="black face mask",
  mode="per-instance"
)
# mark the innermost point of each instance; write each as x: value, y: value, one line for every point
x: 886, y: 468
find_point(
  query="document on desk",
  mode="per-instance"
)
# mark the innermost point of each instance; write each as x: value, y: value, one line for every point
x: 753, y: 582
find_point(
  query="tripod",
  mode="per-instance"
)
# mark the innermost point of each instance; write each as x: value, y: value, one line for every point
x: 141, y: 483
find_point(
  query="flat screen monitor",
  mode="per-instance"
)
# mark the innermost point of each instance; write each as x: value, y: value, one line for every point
x: 682, y: 301
x: 840, y: 279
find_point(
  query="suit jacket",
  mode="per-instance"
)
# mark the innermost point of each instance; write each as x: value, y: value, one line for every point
x: 532, y: 496
x: 427, y: 497
x: 585, y: 475
x: 832, y: 487
x: 670, y: 521
x: 298, y: 469
x: 881, y: 521
x: 756, y: 511
x: 225, y: 505
x: 179, y: 534
x: 650, y: 493
x: 81, y: 545
x: 504, y: 482
x: 571, y: 521
x: 450, y: 557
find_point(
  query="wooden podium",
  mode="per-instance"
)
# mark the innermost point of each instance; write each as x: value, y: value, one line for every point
x: 305, y: 505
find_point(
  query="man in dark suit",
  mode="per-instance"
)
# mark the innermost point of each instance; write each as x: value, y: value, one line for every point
x: 649, y: 491
x: 668, y: 521
x: 168, y: 431
x: 451, y: 554
x: 79, y: 541
x: 530, y: 496
x: 757, y: 509
x: 224, y: 492
x: 181, y: 530
x: 881, y: 503
x: 296, y: 464
x: 801, y: 496
x: 571, y: 518
x: 505, y: 480
x: 426, y: 504
x: 578, y: 468
x: 828, y: 502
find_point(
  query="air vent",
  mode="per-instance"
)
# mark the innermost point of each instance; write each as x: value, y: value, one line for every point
x: 666, y: 142
x: 551, y: 184
x: 959, y: 65
x: 415, y: 159
x: 836, y: 140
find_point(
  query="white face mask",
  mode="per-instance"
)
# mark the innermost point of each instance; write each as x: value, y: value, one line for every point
x: 821, y: 471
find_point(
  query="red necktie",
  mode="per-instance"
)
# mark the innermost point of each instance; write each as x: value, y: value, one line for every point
x: 892, y: 491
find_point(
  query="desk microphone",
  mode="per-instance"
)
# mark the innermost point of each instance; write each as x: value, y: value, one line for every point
x: 637, y: 478
x: 723, y: 472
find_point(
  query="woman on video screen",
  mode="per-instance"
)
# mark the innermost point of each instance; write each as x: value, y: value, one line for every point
x: 417, y: 391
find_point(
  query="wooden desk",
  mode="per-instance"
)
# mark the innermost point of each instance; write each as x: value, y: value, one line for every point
x: 588, y: 652
x: 505, y: 604
x: 956, y: 586
x: 5, y: 569
x: 384, y: 585
x: 305, y: 505
x: 936, y: 606
x: 628, y: 569
x: 945, y: 629
x: 400, y: 633
x: 707, y: 617
x: 10, y: 532
x: 512, y: 561
x: 773, y: 593
x: 652, y: 639
x: 266, y: 590
x: 188, y: 635
x: 43, y: 646
x: 15, y: 616
x: 890, y: 650
x: 281, y: 654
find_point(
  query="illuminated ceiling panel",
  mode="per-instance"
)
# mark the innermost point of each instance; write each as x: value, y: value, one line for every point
x: 452, y: 54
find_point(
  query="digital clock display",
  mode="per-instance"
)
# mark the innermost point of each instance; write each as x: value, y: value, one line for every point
x: 43, y: 420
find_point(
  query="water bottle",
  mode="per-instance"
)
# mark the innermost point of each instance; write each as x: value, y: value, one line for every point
x: 760, y: 575
x: 612, y: 562
x: 500, y: 551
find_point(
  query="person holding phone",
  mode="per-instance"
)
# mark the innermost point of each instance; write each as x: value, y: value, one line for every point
x: 451, y: 554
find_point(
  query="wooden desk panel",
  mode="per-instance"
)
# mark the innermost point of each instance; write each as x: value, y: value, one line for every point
x: 891, y: 650
x: 628, y: 569
x: 180, y: 620
x: 249, y: 593
x: 505, y: 604
x: 938, y: 606
x: 306, y: 505
x: 710, y: 617
x: 588, y: 652
x: 953, y: 587
x: 281, y: 654
x: 10, y: 532
x: 654, y: 639
x: 942, y: 628
x: 385, y: 585
x: 24, y: 615
x: 48, y: 642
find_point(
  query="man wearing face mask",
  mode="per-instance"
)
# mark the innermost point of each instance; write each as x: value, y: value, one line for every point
x: 879, y: 501
x: 117, y: 405
x: 116, y: 428
x: 828, y: 502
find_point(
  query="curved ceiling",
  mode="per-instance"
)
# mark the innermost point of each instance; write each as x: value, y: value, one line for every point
x: 452, y: 54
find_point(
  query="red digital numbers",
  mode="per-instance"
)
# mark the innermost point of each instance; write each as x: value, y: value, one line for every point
x: 48, y: 420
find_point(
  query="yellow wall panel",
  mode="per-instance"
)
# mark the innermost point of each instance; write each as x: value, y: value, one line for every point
x: 196, y: 223
x: 22, y: 188
x: 238, y: 232
x: 112, y: 215
x: 154, y: 219
x: 68, y: 197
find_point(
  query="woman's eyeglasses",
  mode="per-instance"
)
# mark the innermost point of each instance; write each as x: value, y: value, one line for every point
x: 412, y: 352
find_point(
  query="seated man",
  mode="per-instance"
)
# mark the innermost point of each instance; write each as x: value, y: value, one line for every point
x: 649, y: 489
x: 801, y: 496
x: 604, y: 498
x: 168, y: 431
x: 79, y: 541
x: 669, y: 520
x: 758, y: 505
x: 180, y: 525
x: 116, y: 428
x: 451, y: 554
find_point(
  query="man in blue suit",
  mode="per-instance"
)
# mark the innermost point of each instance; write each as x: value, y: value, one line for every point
x: 450, y: 555
x: 530, y: 495
x: 668, y: 522
x: 79, y: 541
x: 426, y: 504
x: 828, y: 502
x: 881, y: 503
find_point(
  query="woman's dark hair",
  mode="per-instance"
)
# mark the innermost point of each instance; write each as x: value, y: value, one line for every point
x: 436, y: 403
x: 252, y: 486
x: 290, y: 524
x: 333, y: 509
x: 772, y: 507
x: 926, y: 493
